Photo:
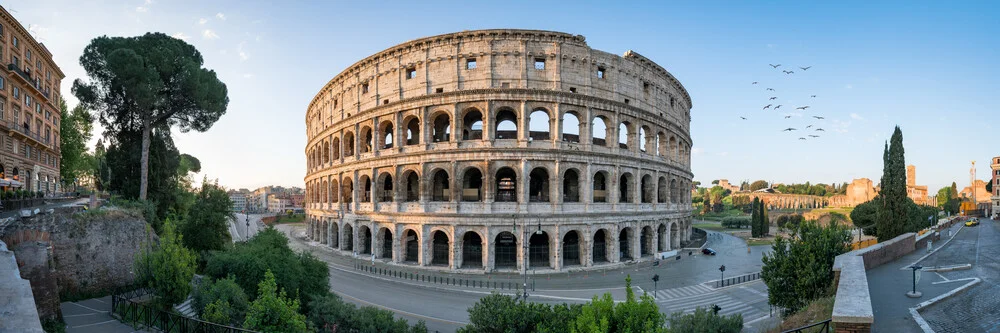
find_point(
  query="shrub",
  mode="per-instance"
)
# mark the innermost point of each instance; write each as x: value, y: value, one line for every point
x: 703, y: 320
x: 736, y: 222
x: 273, y: 311
x: 221, y: 302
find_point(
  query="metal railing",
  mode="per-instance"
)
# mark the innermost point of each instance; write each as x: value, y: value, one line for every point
x: 823, y: 326
x: 737, y: 280
x: 442, y: 280
x: 130, y: 312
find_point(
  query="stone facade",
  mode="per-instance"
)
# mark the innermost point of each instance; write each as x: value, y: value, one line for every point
x: 724, y: 183
x: 917, y: 193
x: 29, y: 110
x: 500, y: 149
x: 981, y: 194
x: 995, y: 178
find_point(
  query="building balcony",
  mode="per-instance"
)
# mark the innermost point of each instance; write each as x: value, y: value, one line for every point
x: 25, y: 76
x: 26, y: 133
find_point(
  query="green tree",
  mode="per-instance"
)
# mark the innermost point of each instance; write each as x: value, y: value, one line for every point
x: 231, y: 302
x: 154, y: 81
x: 757, y: 185
x: 755, y: 218
x: 892, y: 216
x: 989, y: 187
x: 273, y: 311
x: 168, y: 269
x: 765, y: 221
x: 797, y: 270
x: 954, y: 191
x: 864, y: 216
x: 715, y: 182
x: 124, y: 153
x: 75, y: 130
x: 207, y: 225
x: 633, y: 315
x: 703, y: 320
x: 331, y: 314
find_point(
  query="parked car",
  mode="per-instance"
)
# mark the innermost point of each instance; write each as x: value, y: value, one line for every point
x: 972, y: 223
x: 708, y: 251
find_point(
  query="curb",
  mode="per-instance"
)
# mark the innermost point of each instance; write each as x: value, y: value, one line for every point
x: 934, y: 251
x: 948, y: 268
x: 915, y: 311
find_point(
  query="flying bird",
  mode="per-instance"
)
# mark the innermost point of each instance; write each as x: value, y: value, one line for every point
x: 788, y: 129
x: 786, y: 117
x: 818, y: 117
x: 776, y: 107
x: 813, y: 136
x: 789, y: 72
x: 820, y: 129
x: 772, y: 98
x: 766, y: 107
x: 771, y: 89
x: 754, y: 82
x: 802, y: 138
x: 744, y: 118
x: 802, y: 107
x: 775, y: 66
x: 809, y: 126
x: 813, y: 96
x: 806, y: 68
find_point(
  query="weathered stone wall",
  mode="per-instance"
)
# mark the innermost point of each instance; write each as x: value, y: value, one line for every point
x: 884, y: 252
x: 35, y: 263
x: 17, y: 306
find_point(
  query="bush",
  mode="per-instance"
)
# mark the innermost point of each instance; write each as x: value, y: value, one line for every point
x: 797, y: 270
x: 168, y: 269
x: 221, y: 302
x: 703, y: 320
x: 736, y: 222
x: 273, y: 311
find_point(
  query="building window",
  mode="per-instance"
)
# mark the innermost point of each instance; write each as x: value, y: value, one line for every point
x: 600, y: 72
x: 572, y: 90
x: 364, y: 88
x: 470, y: 63
x: 539, y: 63
x: 27, y: 100
x: 626, y: 101
x: 439, y: 90
x: 411, y: 73
x: 385, y: 102
x: 505, y: 85
x: 3, y: 82
x: 27, y: 55
x: 14, y: 60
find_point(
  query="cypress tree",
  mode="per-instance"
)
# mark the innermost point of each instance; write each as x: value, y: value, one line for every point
x: 954, y: 191
x: 765, y: 223
x: 754, y: 218
x: 892, y: 216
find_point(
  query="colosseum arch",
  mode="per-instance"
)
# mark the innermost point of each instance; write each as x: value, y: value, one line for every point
x: 410, y: 244
x: 365, y: 188
x: 412, y: 130
x: 661, y: 144
x: 506, y: 124
x: 440, y: 186
x: 661, y: 238
x: 348, y: 238
x: 601, y: 186
x: 507, y: 185
x: 331, y: 234
x: 624, y: 135
x: 538, y: 185
x: 647, y: 242
x: 472, y: 250
x: 349, y: 144
x: 411, y: 185
x: 334, y: 191
x: 661, y: 190
x: 364, y: 240
x: 367, y: 139
x: 472, y: 124
x: 601, y: 244
x: 323, y: 192
x: 572, y: 249
x: 347, y: 191
x: 625, y: 237
x: 674, y: 191
x: 625, y: 188
x: 384, y: 243
x: 385, y: 187
x: 600, y: 132
x: 673, y: 154
x: 571, y: 186
x: 472, y: 184
x: 440, y: 248
x: 646, y: 188
x: 386, y: 131
x: 540, y: 124
x: 538, y: 250
x: 335, y: 152
x: 572, y: 128
x: 505, y: 250
x: 645, y: 141
x: 675, y: 235
x: 441, y: 127
x: 326, y: 152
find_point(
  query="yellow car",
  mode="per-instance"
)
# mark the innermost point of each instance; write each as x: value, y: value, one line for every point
x: 972, y: 223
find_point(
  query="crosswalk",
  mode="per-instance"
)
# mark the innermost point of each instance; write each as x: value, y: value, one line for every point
x: 745, y: 300
x: 683, y: 292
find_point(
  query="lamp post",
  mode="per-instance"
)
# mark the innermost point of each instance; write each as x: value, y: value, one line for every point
x: 916, y: 278
x: 656, y: 278
x: 722, y: 270
x: 248, y: 228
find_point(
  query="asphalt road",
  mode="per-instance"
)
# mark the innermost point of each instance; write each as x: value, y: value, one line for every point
x: 241, y: 228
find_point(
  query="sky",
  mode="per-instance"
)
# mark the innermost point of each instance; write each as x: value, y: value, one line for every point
x: 932, y: 68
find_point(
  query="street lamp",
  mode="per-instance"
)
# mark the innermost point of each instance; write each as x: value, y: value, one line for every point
x: 722, y: 270
x: 656, y: 278
x: 916, y: 278
x: 248, y: 227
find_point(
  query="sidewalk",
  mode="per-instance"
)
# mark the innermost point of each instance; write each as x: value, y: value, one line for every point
x: 92, y: 316
x: 52, y: 204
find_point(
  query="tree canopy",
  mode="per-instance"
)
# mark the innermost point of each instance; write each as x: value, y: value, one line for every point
x: 154, y: 81
x: 797, y: 270
x: 892, y: 217
x: 168, y: 268
x: 273, y: 311
x: 75, y: 131
x: 207, y: 225
x: 757, y: 185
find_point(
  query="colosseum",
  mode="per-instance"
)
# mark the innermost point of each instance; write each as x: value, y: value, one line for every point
x: 500, y: 150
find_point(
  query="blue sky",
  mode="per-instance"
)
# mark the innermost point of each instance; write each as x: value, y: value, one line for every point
x: 931, y: 68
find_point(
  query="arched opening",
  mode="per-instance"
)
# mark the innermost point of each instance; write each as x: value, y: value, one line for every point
x: 571, y: 128
x: 505, y: 250
x: 538, y: 244
x: 539, y: 125
x: 347, y: 191
x: 647, y: 188
x: 334, y: 191
x: 672, y: 154
x: 646, y: 241
x: 599, y: 131
x: 412, y: 247
x: 335, y: 149
x: 440, y: 187
x: 412, y: 187
x: 600, y: 249
x: 472, y: 250
x: 600, y: 187
x: 442, y: 128
x: 506, y: 124
x: 623, y: 134
x: 412, y: 131
x: 385, y: 191
x: 661, y: 190
x: 472, y: 125
x: 366, y: 188
x: 538, y: 185
x: 624, y: 188
x: 661, y: 237
x: 472, y: 185
x: 326, y: 152
x: 348, y: 144
x: 348, y: 238
x: 367, y: 140
x: 506, y: 185
x: 323, y: 197
x: 571, y: 186
x: 571, y: 249
x: 661, y: 144
x: 439, y: 248
x: 365, y: 235
x: 386, y: 130
x: 386, y: 243
x: 624, y: 239
x: 642, y: 138
x: 675, y: 236
x: 334, y: 230
x: 674, y: 191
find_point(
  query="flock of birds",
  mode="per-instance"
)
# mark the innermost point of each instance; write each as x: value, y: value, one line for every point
x: 802, y: 108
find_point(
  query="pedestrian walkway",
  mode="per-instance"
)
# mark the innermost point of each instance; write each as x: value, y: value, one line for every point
x: 699, y: 289
x: 746, y: 300
x: 51, y: 205
x: 92, y: 316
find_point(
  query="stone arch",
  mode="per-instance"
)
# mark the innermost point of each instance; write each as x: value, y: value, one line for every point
x: 472, y: 124
x: 410, y: 245
x: 571, y: 186
x: 673, y: 154
x: 335, y: 145
x: 644, y: 139
x: 572, y: 249
x: 347, y: 190
x: 331, y: 232
x: 440, y: 186
x: 323, y: 195
x: 675, y: 235
x: 384, y: 242
x: 387, y: 131
x: 599, y: 125
x: 367, y: 139
x: 625, y: 237
x: 440, y: 247
x: 538, y: 250
x: 326, y: 152
x: 412, y: 130
x: 661, y: 190
x: 600, y: 245
x: 348, y: 144
x: 674, y: 190
x: 572, y: 128
x: 506, y: 185
x: 538, y: 185
x: 385, y: 187
x: 600, y: 186
x: 625, y: 188
x: 364, y: 239
x: 539, y: 124
x: 441, y: 127
x: 661, y: 238
x: 472, y: 250
x: 624, y: 131
x: 646, y: 189
x: 506, y: 124
x: 646, y: 242
x: 365, y: 188
x: 661, y: 144
x: 411, y: 186
x: 472, y: 184
x: 348, y: 237
x: 505, y: 250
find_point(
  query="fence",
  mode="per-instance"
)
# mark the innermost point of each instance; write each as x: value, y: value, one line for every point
x: 443, y: 280
x: 737, y: 280
x: 864, y: 244
x: 18, y: 204
x: 130, y: 312
x: 823, y: 326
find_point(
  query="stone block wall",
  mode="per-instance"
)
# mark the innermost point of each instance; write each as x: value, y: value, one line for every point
x: 35, y: 263
x: 852, y: 327
x: 884, y: 252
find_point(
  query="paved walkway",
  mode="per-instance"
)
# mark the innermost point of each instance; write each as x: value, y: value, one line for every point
x: 92, y: 316
x: 53, y: 204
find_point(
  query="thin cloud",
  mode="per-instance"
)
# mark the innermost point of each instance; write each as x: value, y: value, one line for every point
x: 856, y: 116
x: 202, y: 21
x: 209, y: 34
x: 221, y: 16
x: 248, y: 76
x: 181, y: 36
x: 145, y: 7
x: 696, y: 151
x: 849, y: 86
x: 243, y: 54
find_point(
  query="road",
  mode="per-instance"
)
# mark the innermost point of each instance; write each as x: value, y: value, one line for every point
x: 443, y: 308
x: 239, y: 225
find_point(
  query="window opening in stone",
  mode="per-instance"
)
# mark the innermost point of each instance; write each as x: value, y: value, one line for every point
x: 412, y: 187
x: 539, y: 63
x: 600, y: 72
x: 506, y: 126
x: 364, y: 88
x: 647, y: 189
x: 571, y: 249
x: 440, y: 249
x: 600, y: 249
x: 571, y: 128
x: 505, y: 250
x: 411, y: 73
x: 538, y: 246
x: 412, y: 247
x: 600, y: 187
x: 624, y: 188
x: 472, y: 250
x: 413, y: 131
x: 571, y: 186
x: 439, y: 90
x: 472, y: 125
x: 442, y: 128
x: 506, y: 185
x: 538, y: 185
x: 623, y: 134
x: 386, y: 193
x: 538, y: 125
x: 472, y: 185
x: 624, y: 238
x: 661, y: 190
x: 572, y: 89
x: 470, y: 63
x: 440, y: 189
